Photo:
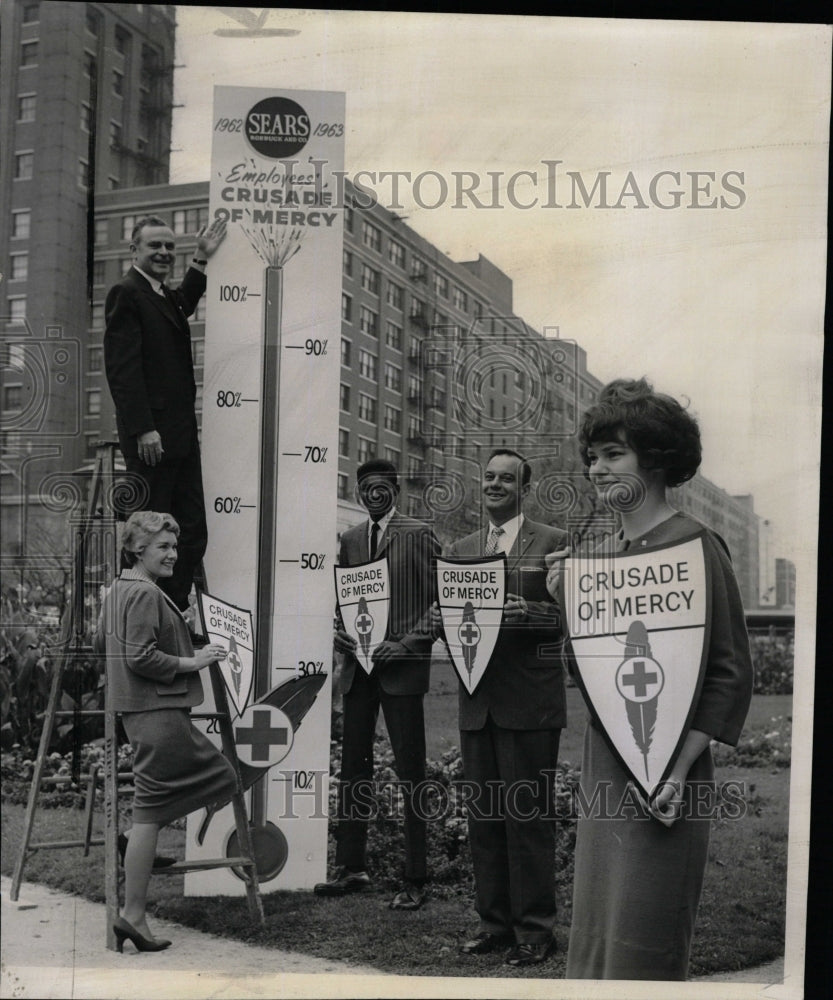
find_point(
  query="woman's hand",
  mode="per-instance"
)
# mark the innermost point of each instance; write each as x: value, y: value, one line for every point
x: 211, y: 653
x: 555, y: 562
x: 668, y: 803
x: 669, y: 800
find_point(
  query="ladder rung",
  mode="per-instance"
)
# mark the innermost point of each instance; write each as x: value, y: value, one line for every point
x: 65, y: 779
x: 205, y: 865
x: 49, y: 845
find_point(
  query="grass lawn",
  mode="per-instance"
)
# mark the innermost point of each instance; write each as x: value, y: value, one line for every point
x: 740, y: 923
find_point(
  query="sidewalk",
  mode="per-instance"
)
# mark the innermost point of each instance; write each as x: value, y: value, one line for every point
x: 53, y: 949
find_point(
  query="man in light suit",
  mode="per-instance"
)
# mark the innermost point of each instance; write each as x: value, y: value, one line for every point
x: 510, y: 728
x: 397, y: 684
x: 150, y: 372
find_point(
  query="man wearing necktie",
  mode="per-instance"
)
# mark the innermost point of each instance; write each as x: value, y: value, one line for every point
x: 510, y: 728
x: 150, y: 372
x: 397, y: 684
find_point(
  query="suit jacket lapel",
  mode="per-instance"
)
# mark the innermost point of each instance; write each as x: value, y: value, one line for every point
x: 523, y: 540
x: 160, y: 302
x: 387, y: 535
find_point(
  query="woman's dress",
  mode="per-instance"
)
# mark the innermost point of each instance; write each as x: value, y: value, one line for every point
x: 637, y: 882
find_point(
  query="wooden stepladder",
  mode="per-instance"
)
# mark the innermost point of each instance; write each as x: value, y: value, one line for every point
x: 98, y: 525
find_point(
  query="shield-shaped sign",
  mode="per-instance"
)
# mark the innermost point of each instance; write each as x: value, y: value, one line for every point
x: 363, y: 595
x: 231, y: 627
x: 471, y: 596
x: 639, y: 631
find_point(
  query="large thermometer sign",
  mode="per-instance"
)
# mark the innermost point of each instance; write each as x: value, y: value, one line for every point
x: 269, y: 445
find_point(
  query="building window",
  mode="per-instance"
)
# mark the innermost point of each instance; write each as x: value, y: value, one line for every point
x: 417, y: 308
x: 414, y: 507
x: 369, y: 321
x: 396, y: 296
x: 440, y: 285
x: 199, y: 353
x: 93, y: 22
x: 414, y: 428
x: 414, y: 388
x: 101, y: 233
x: 344, y: 398
x: 393, y: 335
x: 393, y: 455
x: 396, y: 253
x: 19, y: 269
x: 367, y: 407
x: 93, y: 402
x: 460, y: 299
x: 21, y: 223
x: 83, y: 174
x: 31, y: 13
x: 371, y: 279
x: 418, y: 269
x: 189, y: 221
x: 86, y: 117
x: 23, y: 163
x: 17, y: 309
x: 99, y: 272
x: 415, y: 467
x: 343, y: 486
x: 90, y: 66
x: 28, y: 54
x: 366, y: 450
x: 127, y: 224
x: 347, y: 263
x: 122, y: 41
x: 95, y: 359
x: 371, y: 236
x: 115, y: 134
x: 97, y: 316
x: 26, y: 107
x: 367, y: 365
x: 478, y: 310
x: 348, y: 218
x: 343, y: 442
x: 345, y: 352
x: 199, y: 312
x: 393, y: 419
x: 393, y: 377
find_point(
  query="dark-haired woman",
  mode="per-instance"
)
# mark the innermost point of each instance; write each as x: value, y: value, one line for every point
x: 153, y: 680
x: 638, y: 874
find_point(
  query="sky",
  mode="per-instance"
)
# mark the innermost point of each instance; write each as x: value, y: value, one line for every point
x: 720, y: 305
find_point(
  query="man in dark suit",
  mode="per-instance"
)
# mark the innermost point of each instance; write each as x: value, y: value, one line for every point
x: 397, y: 683
x: 150, y: 371
x: 510, y: 728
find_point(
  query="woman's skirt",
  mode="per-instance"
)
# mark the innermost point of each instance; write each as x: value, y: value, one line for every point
x: 176, y: 769
x: 637, y: 882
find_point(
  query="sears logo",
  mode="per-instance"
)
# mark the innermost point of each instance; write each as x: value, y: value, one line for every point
x: 277, y: 127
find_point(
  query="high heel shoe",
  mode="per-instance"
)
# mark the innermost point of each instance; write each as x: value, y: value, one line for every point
x: 122, y: 929
x: 160, y: 861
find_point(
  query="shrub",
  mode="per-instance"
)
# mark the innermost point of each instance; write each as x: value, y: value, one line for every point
x: 449, y: 855
x: 772, y: 656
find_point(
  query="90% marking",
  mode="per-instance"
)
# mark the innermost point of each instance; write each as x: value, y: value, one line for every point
x: 313, y: 347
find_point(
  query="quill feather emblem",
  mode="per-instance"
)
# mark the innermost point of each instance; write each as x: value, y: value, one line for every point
x: 640, y: 680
